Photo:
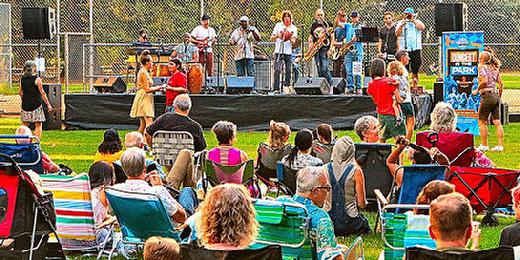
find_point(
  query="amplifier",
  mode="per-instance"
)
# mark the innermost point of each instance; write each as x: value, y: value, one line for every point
x: 312, y: 86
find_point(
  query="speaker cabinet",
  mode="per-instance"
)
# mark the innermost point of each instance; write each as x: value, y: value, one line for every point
x: 110, y: 85
x: 450, y: 18
x: 38, y: 23
x: 311, y: 86
x: 338, y: 85
x: 52, y: 119
x: 215, y: 82
x: 53, y: 92
x: 239, y: 85
x: 438, y: 92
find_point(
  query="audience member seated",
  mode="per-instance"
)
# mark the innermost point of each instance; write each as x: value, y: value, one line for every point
x: 300, y: 155
x: 225, y: 153
x: 431, y: 191
x: 322, y: 146
x: 227, y: 218
x: 367, y: 128
x: 444, y: 120
x: 133, y: 162
x: 178, y: 121
x: 101, y: 175
x: 110, y: 150
x: 510, y: 236
x: 274, y: 150
x: 348, y: 190
x: 135, y: 139
x: 451, y: 223
x: 312, y: 191
x: 420, y: 155
x: 48, y: 165
x: 161, y: 248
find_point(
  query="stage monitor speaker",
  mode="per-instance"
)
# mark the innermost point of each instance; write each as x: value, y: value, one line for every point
x: 110, y: 84
x: 157, y: 81
x: 38, y: 23
x: 239, y: 85
x: 214, y: 82
x: 53, y: 92
x: 438, y: 92
x: 450, y: 18
x: 338, y: 85
x: 311, y: 86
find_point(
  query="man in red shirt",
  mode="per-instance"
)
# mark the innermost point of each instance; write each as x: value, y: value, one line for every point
x: 177, y: 84
x: 383, y: 92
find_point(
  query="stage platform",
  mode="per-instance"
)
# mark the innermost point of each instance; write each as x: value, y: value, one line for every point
x: 248, y: 112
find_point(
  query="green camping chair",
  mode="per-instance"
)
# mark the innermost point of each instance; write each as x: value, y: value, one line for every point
x: 216, y: 173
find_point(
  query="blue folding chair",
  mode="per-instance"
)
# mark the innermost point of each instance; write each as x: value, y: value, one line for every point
x: 140, y: 216
x: 27, y: 156
x: 286, y: 178
x: 415, y: 177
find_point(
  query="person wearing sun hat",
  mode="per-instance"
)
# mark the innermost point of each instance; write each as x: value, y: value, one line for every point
x: 409, y: 31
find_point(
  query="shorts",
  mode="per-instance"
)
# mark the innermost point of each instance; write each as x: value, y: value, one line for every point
x: 415, y: 61
x: 390, y: 127
x: 489, y: 104
x: 407, y: 109
x: 34, y: 116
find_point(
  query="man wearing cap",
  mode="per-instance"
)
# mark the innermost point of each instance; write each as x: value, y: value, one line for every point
x: 409, y: 30
x: 204, y: 36
x: 243, y: 38
x: 186, y: 51
x: 351, y: 29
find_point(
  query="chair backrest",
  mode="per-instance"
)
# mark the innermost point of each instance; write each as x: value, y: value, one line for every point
x: 140, y: 215
x: 502, y: 253
x: 287, y: 176
x: 372, y: 160
x: 219, y: 173
x: 355, y: 251
x: 457, y: 146
x: 75, y: 217
x: 166, y: 145
x: 271, y: 252
x: 322, y: 151
x: 27, y: 156
x: 285, y: 224
x: 267, y: 159
x: 415, y: 177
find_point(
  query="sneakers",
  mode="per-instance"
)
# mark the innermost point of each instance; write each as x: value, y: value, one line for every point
x: 483, y: 148
x: 497, y: 148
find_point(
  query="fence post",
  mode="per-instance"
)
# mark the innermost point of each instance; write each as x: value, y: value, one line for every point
x: 10, y: 50
x: 66, y: 60
x: 58, y: 49
x: 201, y: 8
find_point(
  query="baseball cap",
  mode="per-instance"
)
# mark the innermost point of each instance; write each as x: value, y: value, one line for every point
x: 244, y: 19
x: 354, y: 14
x: 205, y: 17
x: 409, y: 10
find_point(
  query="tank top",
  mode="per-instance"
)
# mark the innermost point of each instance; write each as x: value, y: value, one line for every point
x: 225, y: 155
x: 31, y: 98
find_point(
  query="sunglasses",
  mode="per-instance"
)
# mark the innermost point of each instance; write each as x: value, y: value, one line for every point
x: 328, y: 187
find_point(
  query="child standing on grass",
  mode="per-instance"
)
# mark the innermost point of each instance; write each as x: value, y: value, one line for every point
x: 396, y: 72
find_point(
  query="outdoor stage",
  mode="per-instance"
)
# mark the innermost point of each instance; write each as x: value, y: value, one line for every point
x: 248, y: 112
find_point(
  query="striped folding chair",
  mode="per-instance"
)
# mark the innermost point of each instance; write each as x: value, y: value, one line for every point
x: 75, y: 218
x: 166, y: 145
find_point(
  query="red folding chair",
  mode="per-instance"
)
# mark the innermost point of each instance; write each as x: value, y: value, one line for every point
x: 457, y: 146
x: 486, y: 188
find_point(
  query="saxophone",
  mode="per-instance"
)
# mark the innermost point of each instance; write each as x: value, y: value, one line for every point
x: 322, y: 41
x: 346, y: 47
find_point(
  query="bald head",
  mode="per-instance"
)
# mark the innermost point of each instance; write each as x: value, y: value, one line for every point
x: 23, y: 130
x: 319, y: 14
x: 182, y: 103
x: 450, y: 218
x: 134, y: 139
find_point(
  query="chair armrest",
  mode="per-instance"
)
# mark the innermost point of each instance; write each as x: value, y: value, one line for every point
x: 380, y: 197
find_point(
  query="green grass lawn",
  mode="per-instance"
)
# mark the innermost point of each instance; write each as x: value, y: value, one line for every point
x: 77, y: 149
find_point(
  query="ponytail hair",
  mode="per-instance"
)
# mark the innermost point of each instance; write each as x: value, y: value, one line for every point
x: 302, y: 141
x: 277, y: 132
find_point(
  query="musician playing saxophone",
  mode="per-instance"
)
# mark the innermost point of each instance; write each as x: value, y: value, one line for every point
x: 356, y: 55
x: 319, y: 40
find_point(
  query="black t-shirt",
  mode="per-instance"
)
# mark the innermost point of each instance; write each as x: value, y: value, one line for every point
x: 389, y: 40
x: 317, y: 25
x: 510, y: 236
x: 175, y: 122
x: 31, y: 98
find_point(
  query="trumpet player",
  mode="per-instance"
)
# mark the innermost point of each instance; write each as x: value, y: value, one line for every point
x: 355, y: 56
x: 409, y: 30
x: 243, y: 38
x: 319, y: 41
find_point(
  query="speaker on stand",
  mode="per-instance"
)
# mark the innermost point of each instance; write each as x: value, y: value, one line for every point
x: 110, y: 84
x: 39, y: 24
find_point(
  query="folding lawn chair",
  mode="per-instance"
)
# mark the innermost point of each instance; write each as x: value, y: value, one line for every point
x: 27, y: 217
x: 400, y: 231
x: 372, y: 160
x: 243, y: 173
x: 140, y: 216
x: 267, y: 159
x: 502, y: 253
x: 486, y: 188
x: 27, y: 156
x: 285, y: 224
x: 75, y: 217
x: 457, y: 146
x: 166, y: 145
x: 286, y: 178
x: 415, y: 177
x: 322, y: 151
x: 355, y: 250
x: 192, y: 252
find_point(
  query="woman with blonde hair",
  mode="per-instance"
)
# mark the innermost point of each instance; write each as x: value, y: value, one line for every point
x: 272, y: 151
x: 227, y: 218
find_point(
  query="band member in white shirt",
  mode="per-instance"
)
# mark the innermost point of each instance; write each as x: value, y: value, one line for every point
x: 285, y: 35
x: 204, y: 36
x: 243, y: 38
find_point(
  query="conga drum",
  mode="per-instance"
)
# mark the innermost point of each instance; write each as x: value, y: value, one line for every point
x: 160, y: 70
x: 195, y: 77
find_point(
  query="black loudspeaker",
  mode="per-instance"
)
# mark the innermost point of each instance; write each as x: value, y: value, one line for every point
x: 110, y: 85
x: 214, y: 82
x: 38, y: 23
x: 53, y: 92
x: 450, y: 18
x: 311, y: 86
x: 338, y: 85
x: 236, y: 85
x: 438, y: 92
x: 53, y: 117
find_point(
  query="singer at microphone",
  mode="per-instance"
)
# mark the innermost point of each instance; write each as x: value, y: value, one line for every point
x: 244, y: 38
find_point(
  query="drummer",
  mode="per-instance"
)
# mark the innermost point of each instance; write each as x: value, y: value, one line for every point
x: 186, y: 51
x: 177, y: 84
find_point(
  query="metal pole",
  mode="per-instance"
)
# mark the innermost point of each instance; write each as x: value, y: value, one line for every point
x: 10, y: 50
x: 91, y: 49
x: 66, y: 57
x: 201, y: 8
x: 58, y: 49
